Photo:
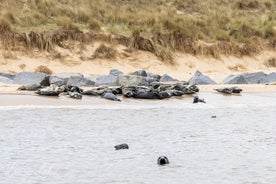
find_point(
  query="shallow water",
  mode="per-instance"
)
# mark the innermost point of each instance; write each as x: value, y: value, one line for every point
x: 73, y: 142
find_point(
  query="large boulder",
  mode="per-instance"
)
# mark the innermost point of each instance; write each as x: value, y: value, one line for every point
x: 235, y: 79
x: 199, y: 78
x: 271, y: 77
x: 167, y: 78
x: 132, y: 80
x: 29, y: 78
x: 110, y: 80
x: 57, y: 81
x: 141, y: 73
x: 7, y: 75
x: 255, y: 78
x: 68, y: 75
x: 115, y: 72
x: 6, y: 80
x: 79, y: 81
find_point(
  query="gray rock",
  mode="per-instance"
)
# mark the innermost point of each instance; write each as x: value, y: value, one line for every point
x: 199, y: 78
x: 271, y: 77
x: 68, y: 75
x: 255, y: 78
x: 167, y: 78
x: 29, y: 78
x: 57, y: 81
x: 141, y: 73
x: 79, y: 81
x: 115, y: 72
x: 7, y: 75
x: 6, y: 80
x: 132, y: 80
x: 110, y: 80
x: 235, y: 79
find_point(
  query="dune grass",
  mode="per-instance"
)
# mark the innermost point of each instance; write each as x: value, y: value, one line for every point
x: 176, y: 25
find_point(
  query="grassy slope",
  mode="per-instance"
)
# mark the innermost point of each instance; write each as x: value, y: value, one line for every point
x: 236, y: 26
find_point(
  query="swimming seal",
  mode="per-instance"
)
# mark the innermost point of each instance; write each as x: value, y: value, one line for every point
x: 121, y: 146
x: 162, y: 160
x: 196, y: 100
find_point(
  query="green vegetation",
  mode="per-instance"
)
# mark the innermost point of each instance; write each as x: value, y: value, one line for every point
x: 240, y: 27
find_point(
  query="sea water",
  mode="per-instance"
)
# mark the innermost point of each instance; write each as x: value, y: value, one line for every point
x: 73, y: 142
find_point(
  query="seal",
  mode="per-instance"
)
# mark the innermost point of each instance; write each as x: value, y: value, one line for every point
x: 75, y: 95
x: 196, y: 100
x: 162, y: 160
x: 110, y: 96
x: 121, y: 146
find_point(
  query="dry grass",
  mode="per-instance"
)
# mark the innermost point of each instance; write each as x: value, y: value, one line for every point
x: 104, y: 52
x: 43, y: 69
x: 202, y: 27
x: 22, y: 66
x: 270, y: 62
x: 237, y: 67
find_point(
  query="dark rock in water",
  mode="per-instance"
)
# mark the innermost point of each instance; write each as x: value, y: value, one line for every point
x: 33, y: 87
x: 229, y: 90
x: 110, y: 80
x: 167, y: 78
x: 271, y: 77
x: 121, y: 146
x: 141, y: 73
x: 75, y: 95
x: 255, y: 78
x: 196, y: 100
x: 162, y: 160
x: 115, y: 72
x: 110, y: 96
x: 132, y: 80
x: 29, y: 78
x: 199, y: 78
x: 57, y: 81
x: 213, y: 116
x: 49, y: 91
x: 6, y: 80
x: 79, y: 81
x: 7, y: 75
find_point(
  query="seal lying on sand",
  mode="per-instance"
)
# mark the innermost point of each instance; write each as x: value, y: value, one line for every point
x: 162, y: 160
x: 196, y: 100
x: 33, y: 87
x: 110, y: 96
x: 121, y: 146
x: 75, y: 95
x: 52, y: 90
x: 229, y: 90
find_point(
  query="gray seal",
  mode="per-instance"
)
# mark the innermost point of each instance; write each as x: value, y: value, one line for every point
x: 162, y: 160
x: 110, y: 96
x: 196, y: 100
x: 121, y: 146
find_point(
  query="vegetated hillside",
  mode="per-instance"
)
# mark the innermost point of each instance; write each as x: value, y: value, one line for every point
x: 206, y: 27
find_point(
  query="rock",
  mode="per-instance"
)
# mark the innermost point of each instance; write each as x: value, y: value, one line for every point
x: 199, y: 78
x: 235, y: 79
x: 115, y: 72
x: 79, y: 81
x: 255, y: 78
x: 141, y: 73
x: 153, y: 77
x: 167, y: 78
x: 57, y: 81
x: 270, y: 78
x: 6, y: 80
x: 29, y: 78
x: 110, y: 80
x: 132, y: 80
x: 68, y: 75
x: 7, y: 75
